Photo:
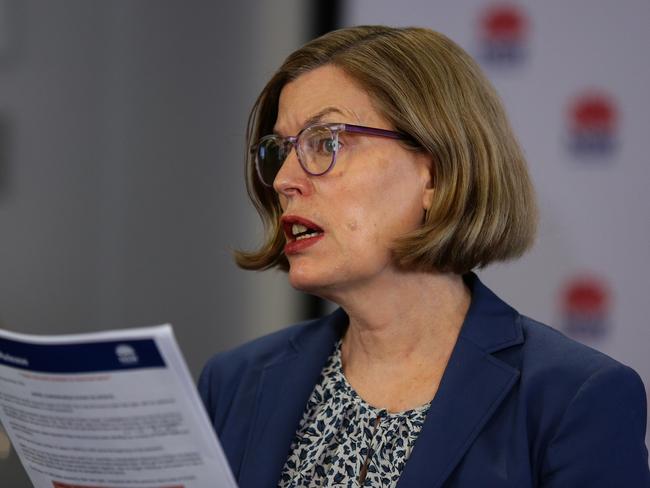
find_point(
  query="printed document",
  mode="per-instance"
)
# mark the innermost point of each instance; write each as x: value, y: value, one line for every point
x: 112, y: 409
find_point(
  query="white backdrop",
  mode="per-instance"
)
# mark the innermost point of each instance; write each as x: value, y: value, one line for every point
x: 574, y: 76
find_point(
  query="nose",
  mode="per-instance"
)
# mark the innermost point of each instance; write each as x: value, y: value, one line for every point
x: 291, y: 179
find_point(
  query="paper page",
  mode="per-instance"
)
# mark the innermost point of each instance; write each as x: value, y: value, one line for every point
x: 107, y: 410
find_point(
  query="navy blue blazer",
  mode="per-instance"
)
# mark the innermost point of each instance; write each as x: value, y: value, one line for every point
x: 519, y: 405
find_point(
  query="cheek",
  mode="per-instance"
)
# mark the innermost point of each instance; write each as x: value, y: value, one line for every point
x: 375, y: 206
x: 366, y: 223
x: 352, y: 225
x: 388, y: 214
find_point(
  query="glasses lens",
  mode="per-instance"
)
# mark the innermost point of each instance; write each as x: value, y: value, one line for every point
x: 317, y: 147
x: 271, y: 153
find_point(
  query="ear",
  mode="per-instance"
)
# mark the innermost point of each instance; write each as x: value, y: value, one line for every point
x: 426, y: 168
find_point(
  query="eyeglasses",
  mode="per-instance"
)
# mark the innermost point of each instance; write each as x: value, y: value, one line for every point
x: 316, y: 147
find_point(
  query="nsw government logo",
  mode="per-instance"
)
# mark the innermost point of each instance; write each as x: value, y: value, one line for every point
x: 585, y: 303
x: 503, y: 32
x: 592, y: 125
x: 126, y: 354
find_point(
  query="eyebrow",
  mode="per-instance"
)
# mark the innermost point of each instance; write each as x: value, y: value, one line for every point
x: 317, y: 117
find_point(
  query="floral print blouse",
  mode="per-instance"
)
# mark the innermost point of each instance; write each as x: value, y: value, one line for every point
x: 342, y: 441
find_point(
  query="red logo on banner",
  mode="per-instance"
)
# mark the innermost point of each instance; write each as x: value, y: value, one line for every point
x: 503, y: 32
x: 586, y: 303
x: 593, y: 124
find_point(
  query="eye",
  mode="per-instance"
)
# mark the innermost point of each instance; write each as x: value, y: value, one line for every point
x: 320, y: 141
x: 327, y: 145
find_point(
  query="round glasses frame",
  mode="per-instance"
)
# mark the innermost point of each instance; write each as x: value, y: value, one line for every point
x: 295, y: 141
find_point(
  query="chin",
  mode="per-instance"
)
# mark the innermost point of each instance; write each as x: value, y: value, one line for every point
x: 306, y: 282
x: 309, y: 278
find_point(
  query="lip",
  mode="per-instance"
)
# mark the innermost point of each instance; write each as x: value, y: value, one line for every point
x: 294, y: 246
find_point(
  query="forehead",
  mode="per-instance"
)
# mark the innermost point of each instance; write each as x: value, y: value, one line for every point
x: 326, y: 93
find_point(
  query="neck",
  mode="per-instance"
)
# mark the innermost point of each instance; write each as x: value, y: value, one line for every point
x: 408, y: 317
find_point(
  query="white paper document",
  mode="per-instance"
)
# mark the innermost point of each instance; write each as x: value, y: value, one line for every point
x: 107, y: 410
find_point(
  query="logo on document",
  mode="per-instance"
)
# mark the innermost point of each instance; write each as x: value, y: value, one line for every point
x: 126, y: 354
x: 503, y: 32
x: 592, y: 125
x: 586, y: 302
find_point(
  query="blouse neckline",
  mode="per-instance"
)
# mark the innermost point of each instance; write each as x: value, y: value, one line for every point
x: 342, y: 384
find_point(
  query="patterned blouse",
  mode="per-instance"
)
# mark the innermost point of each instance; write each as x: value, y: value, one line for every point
x: 344, y: 442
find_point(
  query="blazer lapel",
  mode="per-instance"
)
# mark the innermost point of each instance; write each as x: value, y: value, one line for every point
x: 285, y: 386
x: 472, y: 388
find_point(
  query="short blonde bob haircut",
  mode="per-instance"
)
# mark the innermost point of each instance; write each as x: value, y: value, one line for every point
x: 427, y: 87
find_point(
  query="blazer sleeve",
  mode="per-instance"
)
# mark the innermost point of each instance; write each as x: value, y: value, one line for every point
x: 600, y: 441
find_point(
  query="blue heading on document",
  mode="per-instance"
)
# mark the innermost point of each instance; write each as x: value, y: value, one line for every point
x: 86, y: 357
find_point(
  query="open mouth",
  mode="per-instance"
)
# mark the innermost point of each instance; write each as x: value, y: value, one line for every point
x: 298, y: 229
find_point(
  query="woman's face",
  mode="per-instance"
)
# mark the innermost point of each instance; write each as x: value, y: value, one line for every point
x: 376, y: 192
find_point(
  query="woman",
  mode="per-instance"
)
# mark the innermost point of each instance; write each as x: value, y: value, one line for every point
x: 385, y: 170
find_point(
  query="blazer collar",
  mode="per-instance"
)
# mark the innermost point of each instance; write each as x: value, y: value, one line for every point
x: 471, y: 389
x: 491, y: 324
x: 473, y: 386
